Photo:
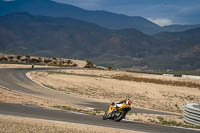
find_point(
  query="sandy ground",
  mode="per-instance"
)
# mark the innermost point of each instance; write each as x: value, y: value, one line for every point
x: 166, y: 120
x: 99, y: 84
x: 152, y: 118
x: 13, y: 124
x: 145, y: 117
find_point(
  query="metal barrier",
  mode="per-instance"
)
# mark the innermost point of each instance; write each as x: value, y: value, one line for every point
x: 192, y: 114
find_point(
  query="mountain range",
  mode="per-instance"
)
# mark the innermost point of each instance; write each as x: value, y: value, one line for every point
x: 23, y: 33
x: 105, y: 19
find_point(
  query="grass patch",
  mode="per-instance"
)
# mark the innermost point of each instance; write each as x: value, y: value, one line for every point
x: 74, y: 74
x: 72, y: 109
x: 158, y: 81
x: 48, y: 86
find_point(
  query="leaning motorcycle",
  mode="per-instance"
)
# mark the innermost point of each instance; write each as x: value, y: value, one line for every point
x: 117, y: 114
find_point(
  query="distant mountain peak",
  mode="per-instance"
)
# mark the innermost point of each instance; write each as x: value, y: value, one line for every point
x: 103, y: 18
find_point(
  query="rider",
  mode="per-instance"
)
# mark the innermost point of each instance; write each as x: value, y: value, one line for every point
x: 116, y: 105
x: 119, y: 104
x: 32, y: 66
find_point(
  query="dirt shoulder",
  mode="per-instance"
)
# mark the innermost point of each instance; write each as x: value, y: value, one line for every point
x: 102, y: 85
x: 14, y: 124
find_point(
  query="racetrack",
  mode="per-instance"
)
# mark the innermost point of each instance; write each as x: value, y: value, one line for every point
x: 15, y: 79
x: 50, y: 114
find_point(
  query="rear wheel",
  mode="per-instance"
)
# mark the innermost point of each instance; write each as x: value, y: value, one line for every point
x: 119, y: 115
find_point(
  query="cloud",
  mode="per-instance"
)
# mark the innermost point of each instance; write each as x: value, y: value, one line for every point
x: 161, y: 21
x: 162, y: 12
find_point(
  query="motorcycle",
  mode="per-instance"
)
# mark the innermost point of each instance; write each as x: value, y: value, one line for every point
x: 117, y: 113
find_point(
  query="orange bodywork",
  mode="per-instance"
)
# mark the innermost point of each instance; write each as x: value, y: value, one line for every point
x: 111, y: 108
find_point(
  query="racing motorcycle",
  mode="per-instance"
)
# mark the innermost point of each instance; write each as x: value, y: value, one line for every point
x: 117, y: 113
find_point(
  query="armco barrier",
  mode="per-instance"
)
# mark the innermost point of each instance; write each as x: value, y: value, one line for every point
x: 192, y: 114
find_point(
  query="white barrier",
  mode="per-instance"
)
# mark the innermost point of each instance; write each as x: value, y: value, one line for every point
x: 192, y: 114
x: 191, y: 76
x: 170, y: 75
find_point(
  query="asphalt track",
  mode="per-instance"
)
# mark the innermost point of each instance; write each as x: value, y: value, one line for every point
x: 15, y: 79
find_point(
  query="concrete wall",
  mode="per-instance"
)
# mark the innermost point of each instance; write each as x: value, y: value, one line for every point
x: 191, y: 76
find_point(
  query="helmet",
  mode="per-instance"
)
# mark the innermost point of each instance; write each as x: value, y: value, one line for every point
x: 128, y: 102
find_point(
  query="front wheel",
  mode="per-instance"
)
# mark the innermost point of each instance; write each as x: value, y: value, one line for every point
x: 119, y: 115
x: 105, y: 116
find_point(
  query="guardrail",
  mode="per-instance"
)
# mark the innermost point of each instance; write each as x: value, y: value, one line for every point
x: 192, y: 114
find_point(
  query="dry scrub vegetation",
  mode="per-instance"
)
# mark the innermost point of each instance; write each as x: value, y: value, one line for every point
x: 62, y: 62
x: 13, y: 124
x: 146, y: 90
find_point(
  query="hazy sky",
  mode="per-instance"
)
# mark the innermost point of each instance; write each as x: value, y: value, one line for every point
x: 163, y: 12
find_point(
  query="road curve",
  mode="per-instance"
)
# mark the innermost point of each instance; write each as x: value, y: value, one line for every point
x: 15, y: 79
